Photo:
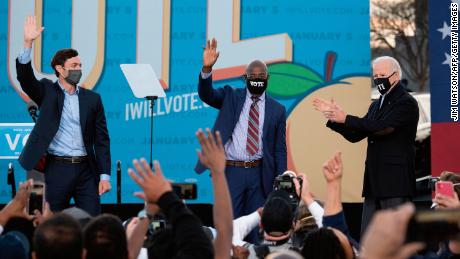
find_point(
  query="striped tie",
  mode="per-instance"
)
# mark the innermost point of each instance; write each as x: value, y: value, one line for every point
x: 252, y: 144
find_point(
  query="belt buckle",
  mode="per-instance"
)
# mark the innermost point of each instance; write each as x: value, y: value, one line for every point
x: 74, y: 160
x: 247, y: 164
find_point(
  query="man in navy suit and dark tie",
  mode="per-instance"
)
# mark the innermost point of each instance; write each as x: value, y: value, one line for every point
x: 253, y: 129
x: 70, y: 133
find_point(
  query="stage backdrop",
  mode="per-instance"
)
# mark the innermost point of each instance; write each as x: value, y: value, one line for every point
x: 314, y: 48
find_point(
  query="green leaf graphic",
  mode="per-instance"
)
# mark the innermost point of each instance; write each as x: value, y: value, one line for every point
x: 289, y: 80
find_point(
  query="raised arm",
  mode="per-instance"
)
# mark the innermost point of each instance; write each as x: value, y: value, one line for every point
x: 333, y: 170
x: 326, y: 107
x: 406, y: 112
x: 25, y: 75
x: 351, y: 135
x: 137, y: 229
x: 207, y: 93
x: 213, y: 157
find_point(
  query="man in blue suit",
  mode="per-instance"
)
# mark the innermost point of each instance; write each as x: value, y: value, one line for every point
x: 70, y: 133
x: 253, y: 128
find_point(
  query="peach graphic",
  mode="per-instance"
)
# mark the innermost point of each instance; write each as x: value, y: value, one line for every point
x: 310, y: 142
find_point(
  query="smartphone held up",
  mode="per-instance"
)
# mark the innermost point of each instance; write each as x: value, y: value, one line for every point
x: 36, y: 198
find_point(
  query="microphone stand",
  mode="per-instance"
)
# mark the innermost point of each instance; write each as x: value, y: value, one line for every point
x: 152, y: 104
x: 118, y: 182
x: 10, y: 179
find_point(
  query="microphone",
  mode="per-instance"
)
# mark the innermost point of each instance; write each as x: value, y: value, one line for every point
x: 118, y: 181
x: 32, y: 107
x: 10, y: 179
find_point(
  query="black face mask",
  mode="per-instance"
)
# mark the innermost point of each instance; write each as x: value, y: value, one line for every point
x: 383, y: 84
x: 256, y: 86
x: 73, y: 77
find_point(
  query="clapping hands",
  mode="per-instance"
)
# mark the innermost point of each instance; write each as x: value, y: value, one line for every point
x: 330, y: 109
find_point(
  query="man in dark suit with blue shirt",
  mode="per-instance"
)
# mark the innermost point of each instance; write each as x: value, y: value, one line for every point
x: 253, y: 129
x: 70, y: 133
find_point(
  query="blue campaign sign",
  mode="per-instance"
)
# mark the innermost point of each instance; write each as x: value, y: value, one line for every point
x: 13, y: 137
x: 309, y: 46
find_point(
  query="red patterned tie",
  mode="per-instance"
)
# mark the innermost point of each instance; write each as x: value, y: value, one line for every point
x: 252, y: 144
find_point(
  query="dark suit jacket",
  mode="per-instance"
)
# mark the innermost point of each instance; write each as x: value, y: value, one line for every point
x: 50, y: 99
x: 390, y: 132
x: 230, y: 102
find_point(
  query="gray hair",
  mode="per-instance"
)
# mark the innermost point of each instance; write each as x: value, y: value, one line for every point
x: 394, y: 63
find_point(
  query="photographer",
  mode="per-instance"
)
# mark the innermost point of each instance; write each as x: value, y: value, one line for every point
x: 278, y: 217
x: 277, y: 223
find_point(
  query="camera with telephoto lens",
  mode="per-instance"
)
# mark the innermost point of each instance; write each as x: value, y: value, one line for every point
x: 285, y: 182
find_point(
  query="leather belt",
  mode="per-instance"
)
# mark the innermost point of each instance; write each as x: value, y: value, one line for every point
x: 69, y: 159
x: 245, y: 164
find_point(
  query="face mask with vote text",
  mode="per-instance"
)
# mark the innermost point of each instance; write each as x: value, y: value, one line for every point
x: 256, y: 86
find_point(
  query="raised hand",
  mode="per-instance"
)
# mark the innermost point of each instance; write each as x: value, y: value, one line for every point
x: 333, y: 168
x: 213, y: 153
x: 210, y: 55
x: 447, y: 202
x: 39, y: 217
x: 322, y: 105
x: 305, y: 193
x: 154, y: 184
x: 336, y: 113
x: 17, y: 206
x: 31, y: 32
x: 331, y: 110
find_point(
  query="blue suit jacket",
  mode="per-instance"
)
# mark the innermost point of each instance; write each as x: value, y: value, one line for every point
x: 50, y: 99
x: 230, y: 102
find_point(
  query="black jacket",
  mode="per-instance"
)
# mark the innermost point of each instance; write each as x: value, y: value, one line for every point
x: 189, y: 238
x: 50, y: 99
x: 390, y: 131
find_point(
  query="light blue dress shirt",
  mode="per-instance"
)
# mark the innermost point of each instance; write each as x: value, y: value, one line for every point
x: 68, y: 140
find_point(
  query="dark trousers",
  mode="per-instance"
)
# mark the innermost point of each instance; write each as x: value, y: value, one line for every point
x: 245, y: 185
x: 66, y: 180
x: 371, y: 205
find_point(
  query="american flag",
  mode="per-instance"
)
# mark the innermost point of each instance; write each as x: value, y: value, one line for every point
x: 445, y: 133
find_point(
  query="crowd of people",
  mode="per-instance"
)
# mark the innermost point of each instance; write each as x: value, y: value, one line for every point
x: 313, y: 229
